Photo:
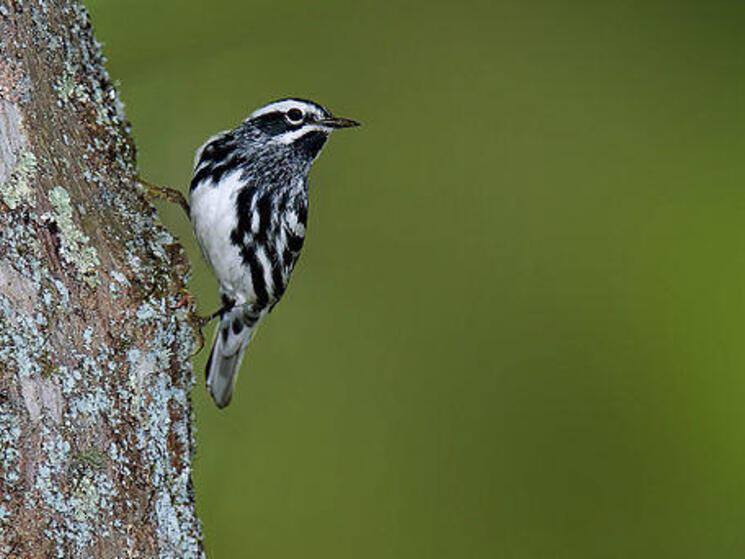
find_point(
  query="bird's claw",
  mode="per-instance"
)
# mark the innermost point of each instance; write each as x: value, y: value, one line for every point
x: 200, y: 341
x: 155, y: 192
x: 199, y: 322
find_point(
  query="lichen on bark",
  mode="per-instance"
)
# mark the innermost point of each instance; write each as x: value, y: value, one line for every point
x: 96, y: 439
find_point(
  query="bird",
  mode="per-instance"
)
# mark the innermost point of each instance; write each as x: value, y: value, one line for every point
x: 248, y: 206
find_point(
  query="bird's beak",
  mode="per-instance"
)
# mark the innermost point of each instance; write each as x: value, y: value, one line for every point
x: 333, y: 122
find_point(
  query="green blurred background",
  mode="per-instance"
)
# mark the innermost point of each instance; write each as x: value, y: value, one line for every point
x: 517, y: 326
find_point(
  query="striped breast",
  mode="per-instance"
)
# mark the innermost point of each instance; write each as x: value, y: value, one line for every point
x: 269, y: 233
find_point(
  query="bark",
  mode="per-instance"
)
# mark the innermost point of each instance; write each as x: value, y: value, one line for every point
x: 96, y: 441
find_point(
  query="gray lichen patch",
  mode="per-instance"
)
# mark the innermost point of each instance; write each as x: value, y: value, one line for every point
x: 67, y: 87
x: 74, y: 247
x: 17, y: 163
x: 17, y: 188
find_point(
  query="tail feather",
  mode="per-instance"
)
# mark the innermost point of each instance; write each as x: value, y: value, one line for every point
x: 231, y: 340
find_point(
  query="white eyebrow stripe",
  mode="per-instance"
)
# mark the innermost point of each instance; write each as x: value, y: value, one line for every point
x: 284, y: 106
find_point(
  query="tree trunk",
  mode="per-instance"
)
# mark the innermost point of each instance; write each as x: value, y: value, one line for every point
x: 96, y: 440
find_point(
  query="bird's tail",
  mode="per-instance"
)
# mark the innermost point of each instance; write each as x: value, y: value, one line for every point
x: 231, y: 340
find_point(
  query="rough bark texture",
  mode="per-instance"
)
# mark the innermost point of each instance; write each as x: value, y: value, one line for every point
x: 96, y: 440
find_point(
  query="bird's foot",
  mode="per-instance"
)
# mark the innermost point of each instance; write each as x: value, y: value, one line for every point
x: 186, y: 300
x: 199, y: 322
x: 155, y: 192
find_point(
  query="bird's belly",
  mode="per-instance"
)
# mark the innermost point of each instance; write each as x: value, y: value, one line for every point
x: 214, y: 217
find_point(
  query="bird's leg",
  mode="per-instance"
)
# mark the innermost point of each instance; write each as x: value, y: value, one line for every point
x: 203, y: 321
x: 197, y: 322
x: 155, y: 192
x: 200, y: 322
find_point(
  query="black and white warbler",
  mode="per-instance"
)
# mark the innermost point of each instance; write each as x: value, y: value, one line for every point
x: 248, y: 205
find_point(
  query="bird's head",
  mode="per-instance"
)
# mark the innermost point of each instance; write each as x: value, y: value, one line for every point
x: 297, y: 125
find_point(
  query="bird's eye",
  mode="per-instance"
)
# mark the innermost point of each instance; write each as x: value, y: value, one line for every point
x: 295, y: 115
